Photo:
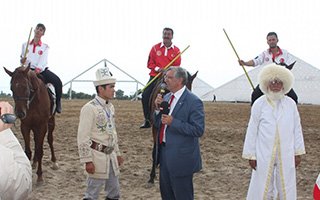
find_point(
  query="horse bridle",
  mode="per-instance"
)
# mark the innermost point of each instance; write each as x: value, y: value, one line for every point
x: 29, y: 98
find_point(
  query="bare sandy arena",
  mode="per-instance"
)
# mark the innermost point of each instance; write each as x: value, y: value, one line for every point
x: 225, y: 174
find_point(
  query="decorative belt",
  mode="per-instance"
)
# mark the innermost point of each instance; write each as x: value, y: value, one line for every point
x: 102, y: 148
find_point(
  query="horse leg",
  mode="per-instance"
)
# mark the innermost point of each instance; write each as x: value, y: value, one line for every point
x: 39, y: 136
x: 51, y: 126
x: 154, y: 165
x: 26, y: 137
x: 35, y: 159
x: 154, y: 157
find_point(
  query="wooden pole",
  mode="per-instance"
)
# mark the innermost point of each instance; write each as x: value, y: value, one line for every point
x: 26, y: 50
x: 239, y: 59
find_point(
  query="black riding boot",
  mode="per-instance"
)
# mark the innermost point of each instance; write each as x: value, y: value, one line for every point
x: 146, y: 124
x: 58, y: 108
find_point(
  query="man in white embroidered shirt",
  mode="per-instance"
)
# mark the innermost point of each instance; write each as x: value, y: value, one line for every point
x: 98, y: 141
x: 274, y: 140
x: 15, y: 168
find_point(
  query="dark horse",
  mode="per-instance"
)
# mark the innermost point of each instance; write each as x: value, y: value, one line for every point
x: 153, y: 96
x: 33, y: 107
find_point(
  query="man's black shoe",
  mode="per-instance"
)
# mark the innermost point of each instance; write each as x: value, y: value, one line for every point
x: 146, y: 124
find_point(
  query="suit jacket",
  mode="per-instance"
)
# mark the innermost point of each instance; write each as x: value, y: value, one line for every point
x: 182, y: 136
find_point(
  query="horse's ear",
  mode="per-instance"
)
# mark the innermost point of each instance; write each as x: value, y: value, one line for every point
x: 194, y: 75
x: 8, y: 72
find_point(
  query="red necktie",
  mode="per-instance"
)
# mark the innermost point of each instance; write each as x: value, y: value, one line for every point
x: 163, y: 125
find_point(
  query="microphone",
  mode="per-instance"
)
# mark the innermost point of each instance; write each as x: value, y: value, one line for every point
x: 164, y: 108
x: 163, y: 87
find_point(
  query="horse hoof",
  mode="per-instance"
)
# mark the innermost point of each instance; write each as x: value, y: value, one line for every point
x: 34, y: 165
x: 149, y: 185
x: 39, y: 181
x: 55, y: 166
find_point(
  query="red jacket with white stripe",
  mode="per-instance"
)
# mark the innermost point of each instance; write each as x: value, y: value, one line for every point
x: 160, y: 56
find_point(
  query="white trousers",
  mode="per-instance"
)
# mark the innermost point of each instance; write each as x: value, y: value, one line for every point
x: 275, y: 191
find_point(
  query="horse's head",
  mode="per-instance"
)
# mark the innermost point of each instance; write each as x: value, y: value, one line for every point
x: 23, y: 89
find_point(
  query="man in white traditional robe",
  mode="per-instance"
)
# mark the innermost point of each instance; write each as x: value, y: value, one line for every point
x: 274, y: 140
x: 15, y: 168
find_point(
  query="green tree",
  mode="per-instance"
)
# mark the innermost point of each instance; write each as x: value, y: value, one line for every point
x: 119, y: 94
x: 76, y: 95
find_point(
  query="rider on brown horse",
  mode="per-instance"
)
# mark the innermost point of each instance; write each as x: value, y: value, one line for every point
x: 37, y: 56
x: 160, y: 56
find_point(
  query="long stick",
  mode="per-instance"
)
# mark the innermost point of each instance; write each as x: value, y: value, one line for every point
x: 26, y: 50
x: 239, y: 59
x: 168, y: 65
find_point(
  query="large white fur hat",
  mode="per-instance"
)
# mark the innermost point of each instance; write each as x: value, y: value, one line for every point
x: 103, y: 77
x: 275, y: 72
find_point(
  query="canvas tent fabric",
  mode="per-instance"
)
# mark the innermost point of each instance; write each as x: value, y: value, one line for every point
x: 306, y: 85
x: 202, y: 89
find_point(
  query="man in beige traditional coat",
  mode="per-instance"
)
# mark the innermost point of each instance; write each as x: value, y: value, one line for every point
x: 98, y: 142
x: 274, y: 140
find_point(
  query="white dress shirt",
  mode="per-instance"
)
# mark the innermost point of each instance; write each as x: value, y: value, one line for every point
x: 176, y: 98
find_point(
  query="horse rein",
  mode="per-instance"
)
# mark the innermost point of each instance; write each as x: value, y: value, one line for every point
x: 28, y: 99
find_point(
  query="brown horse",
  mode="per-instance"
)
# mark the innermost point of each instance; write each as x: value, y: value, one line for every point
x: 153, y: 96
x: 33, y: 107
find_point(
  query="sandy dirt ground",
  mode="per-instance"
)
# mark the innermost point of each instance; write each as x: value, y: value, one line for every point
x: 225, y: 174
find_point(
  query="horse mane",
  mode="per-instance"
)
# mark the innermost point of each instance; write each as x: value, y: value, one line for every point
x: 33, y: 78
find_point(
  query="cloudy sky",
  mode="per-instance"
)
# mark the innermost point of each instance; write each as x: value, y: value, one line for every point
x: 80, y: 33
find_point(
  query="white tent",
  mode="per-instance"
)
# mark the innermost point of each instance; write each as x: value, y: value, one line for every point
x: 307, y: 85
x: 202, y: 89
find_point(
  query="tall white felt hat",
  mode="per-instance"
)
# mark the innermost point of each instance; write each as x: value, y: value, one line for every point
x: 275, y: 72
x: 103, y: 77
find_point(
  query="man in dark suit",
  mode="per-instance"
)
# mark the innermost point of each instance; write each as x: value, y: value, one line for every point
x: 179, y: 132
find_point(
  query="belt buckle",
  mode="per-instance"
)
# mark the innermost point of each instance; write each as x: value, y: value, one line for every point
x: 108, y: 150
x: 99, y: 147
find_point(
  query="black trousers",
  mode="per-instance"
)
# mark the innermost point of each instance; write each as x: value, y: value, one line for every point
x: 258, y: 93
x: 50, y: 77
x: 146, y: 95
